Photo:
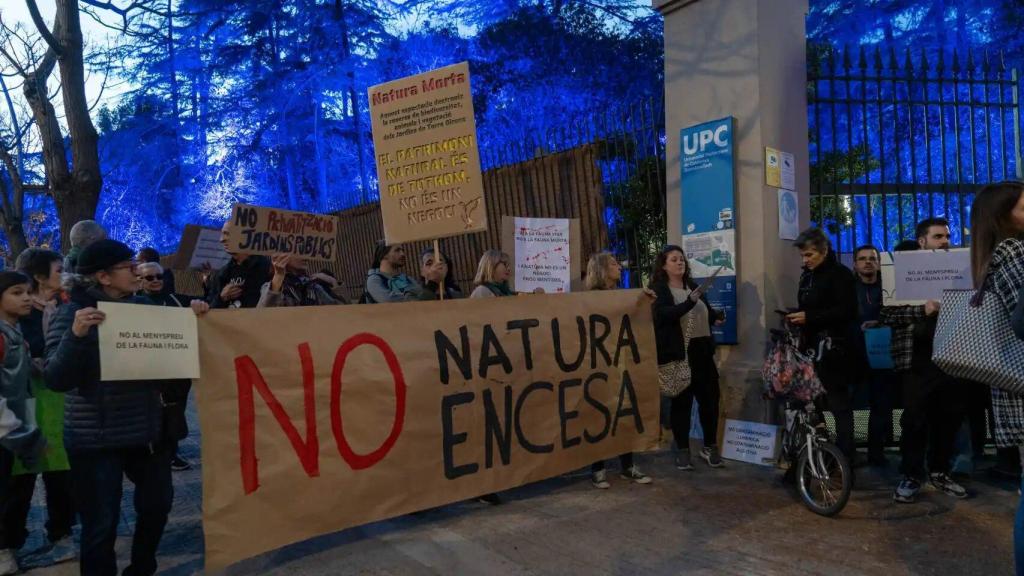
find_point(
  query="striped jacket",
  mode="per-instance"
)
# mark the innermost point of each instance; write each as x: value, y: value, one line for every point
x: 1005, y: 280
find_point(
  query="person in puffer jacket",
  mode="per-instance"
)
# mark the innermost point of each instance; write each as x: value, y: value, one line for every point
x: 111, y: 429
x: 22, y: 439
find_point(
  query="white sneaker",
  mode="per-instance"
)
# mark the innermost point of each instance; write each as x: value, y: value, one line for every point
x: 8, y: 563
x: 600, y: 480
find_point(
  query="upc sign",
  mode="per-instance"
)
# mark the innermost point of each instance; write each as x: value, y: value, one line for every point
x: 698, y: 141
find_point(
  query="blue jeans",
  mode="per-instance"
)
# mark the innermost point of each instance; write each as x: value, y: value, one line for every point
x: 98, y: 477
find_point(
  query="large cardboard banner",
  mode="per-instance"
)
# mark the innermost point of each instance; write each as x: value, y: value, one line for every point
x: 428, y: 164
x: 345, y: 415
x: 270, y: 231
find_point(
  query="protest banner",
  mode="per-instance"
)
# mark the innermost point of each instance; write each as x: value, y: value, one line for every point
x: 510, y: 246
x: 270, y: 231
x: 542, y: 255
x: 351, y: 414
x: 428, y: 163
x: 921, y: 275
x: 199, y: 246
x: 139, y: 342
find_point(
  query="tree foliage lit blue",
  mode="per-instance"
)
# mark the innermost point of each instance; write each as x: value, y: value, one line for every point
x: 264, y: 101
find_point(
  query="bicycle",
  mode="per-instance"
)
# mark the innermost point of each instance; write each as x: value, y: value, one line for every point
x: 822, y: 473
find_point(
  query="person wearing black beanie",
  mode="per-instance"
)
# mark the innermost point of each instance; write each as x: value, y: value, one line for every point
x: 111, y: 429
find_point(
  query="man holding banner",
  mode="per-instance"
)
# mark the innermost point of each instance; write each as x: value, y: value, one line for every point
x: 239, y: 283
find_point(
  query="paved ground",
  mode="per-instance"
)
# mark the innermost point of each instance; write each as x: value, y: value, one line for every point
x: 740, y: 520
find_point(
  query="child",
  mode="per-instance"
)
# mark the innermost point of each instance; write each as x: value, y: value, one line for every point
x: 24, y: 440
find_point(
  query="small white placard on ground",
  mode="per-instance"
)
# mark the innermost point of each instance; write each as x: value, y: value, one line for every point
x: 139, y: 342
x: 751, y: 442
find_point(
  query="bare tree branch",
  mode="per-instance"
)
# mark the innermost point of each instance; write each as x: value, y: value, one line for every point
x: 44, y: 30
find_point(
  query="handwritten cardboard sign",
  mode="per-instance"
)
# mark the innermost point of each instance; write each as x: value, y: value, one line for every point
x: 351, y: 414
x: 269, y: 231
x: 428, y: 164
x: 751, y: 442
x: 139, y: 342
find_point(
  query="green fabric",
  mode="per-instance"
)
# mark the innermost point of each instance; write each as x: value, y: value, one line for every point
x: 50, y: 418
x: 500, y: 289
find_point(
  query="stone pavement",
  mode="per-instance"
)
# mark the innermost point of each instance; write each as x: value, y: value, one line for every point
x: 739, y: 520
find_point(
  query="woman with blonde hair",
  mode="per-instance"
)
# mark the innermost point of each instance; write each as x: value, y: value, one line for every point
x: 604, y: 273
x: 492, y: 276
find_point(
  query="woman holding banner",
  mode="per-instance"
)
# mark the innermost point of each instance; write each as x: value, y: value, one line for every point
x: 604, y: 273
x: 682, y: 328
x: 492, y: 276
x: 111, y: 429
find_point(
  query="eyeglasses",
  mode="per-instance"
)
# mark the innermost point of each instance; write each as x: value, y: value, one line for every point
x: 153, y: 277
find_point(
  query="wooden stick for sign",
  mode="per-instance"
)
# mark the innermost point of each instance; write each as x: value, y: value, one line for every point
x: 437, y: 254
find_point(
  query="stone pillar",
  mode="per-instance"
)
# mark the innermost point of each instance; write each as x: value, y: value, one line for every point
x: 746, y: 59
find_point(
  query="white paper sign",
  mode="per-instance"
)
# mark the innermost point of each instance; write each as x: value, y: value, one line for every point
x: 542, y: 255
x: 789, y: 215
x: 209, y: 250
x: 139, y: 342
x: 787, y: 171
x: 923, y: 274
x: 750, y: 442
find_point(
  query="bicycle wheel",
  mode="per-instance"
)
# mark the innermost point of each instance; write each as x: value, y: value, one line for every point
x: 827, y: 494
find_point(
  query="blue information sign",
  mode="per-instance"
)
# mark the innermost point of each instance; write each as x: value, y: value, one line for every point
x: 708, y: 214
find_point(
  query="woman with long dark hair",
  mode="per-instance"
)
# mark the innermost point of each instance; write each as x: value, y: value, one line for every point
x: 604, y: 273
x: 678, y: 302
x: 997, y: 263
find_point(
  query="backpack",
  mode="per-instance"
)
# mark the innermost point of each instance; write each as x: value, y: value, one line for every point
x: 365, y: 298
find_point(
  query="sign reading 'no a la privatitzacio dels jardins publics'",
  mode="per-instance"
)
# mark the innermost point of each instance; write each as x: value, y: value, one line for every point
x: 428, y: 164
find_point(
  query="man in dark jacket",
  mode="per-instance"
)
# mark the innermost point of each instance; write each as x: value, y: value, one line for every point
x: 933, y: 403
x: 827, y: 303
x: 111, y: 429
x: 240, y: 282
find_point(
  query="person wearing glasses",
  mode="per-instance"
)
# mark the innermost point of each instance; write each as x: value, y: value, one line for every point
x: 881, y: 383
x: 148, y: 255
x: 112, y: 430
x: 153, y: 279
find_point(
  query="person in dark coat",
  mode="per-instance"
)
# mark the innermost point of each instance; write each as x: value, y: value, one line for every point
x: 175, y: 393
x: 679, y: 301
x: 827, y: 301
x: 239, y: 283
x: 112, y: 430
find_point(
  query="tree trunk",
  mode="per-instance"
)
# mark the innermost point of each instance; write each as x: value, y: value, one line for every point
x: 357, y: 123
x: 78, y: 201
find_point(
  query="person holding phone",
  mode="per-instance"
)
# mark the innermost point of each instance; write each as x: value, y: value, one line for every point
x: 827, y: 300
x: 678, y: 301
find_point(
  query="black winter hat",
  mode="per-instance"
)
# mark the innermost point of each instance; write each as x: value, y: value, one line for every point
x: 101, y: 255
x: 10, y: 278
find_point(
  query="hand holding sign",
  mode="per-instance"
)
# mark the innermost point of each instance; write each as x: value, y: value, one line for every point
x: 696, y: 294
x: 86, y: 318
